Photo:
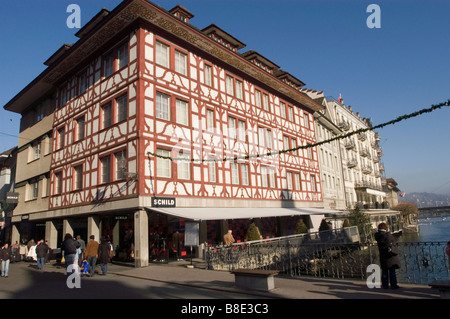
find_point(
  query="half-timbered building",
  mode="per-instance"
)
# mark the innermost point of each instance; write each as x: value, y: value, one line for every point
x: 155, y: 123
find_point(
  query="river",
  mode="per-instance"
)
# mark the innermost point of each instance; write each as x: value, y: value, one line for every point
x: 433, y: 229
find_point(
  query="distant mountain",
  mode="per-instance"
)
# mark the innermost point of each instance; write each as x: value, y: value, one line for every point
x: 426, y: 199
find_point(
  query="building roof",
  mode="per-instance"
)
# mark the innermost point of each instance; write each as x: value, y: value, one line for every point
x: 106, y: 25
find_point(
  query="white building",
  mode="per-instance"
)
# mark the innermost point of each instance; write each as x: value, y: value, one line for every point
x: 361, y: 154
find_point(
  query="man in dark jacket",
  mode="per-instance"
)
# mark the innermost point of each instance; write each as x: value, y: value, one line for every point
x: 103, y: 254
x: 69, y: 249
x: 41, y: 253
x: 5, y: 257
x: 389, y: 260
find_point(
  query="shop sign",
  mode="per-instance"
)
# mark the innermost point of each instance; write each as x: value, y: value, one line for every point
x: 12, y: 198
x: 191, y: 234
x: 121, y: 217
x: 163, y: 202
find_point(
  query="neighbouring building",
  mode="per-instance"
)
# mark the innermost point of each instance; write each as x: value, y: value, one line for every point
x: 125, y: 133
x: 331, y: 166
x: 7, y: 194
x: 360, y: 155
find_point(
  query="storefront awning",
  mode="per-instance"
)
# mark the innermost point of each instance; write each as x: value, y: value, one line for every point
x: 220, y: 213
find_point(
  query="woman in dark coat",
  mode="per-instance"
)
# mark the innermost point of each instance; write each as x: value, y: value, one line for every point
x: 103, y: 254
x: 389, y: 260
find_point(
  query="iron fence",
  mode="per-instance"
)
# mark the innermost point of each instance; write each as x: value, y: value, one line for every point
x: 336, y: 257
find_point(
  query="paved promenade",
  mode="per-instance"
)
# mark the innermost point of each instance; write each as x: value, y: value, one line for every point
x: 176, y: 281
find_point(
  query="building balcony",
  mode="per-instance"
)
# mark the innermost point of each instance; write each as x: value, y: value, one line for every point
x: 366, y: 169
x: 365, y: 153
x: 344, y: 125
x: 363, y: 185
x: 362, y: 136
x: 350, y: 145
x: 352, y: 163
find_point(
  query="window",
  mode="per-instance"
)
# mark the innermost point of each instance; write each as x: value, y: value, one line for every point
x: 82, y: 82
x: 268, y: 177
x: 122, y: 108
x: 298, y: 185
x: 78, y: 177
x: 122, y: 55
x: 241, y: 130
x: 266, y: 102
x: 182, y: 112
x: 80, y: 129
x: 108, y: 65
x: 180, y: 62
x: 162, y: 54
x: 163, y: 165
x: 291, y: 113
x: 283, y: 109
x: 294, y: 146
x: 313, y: 183
x: 232, y: 128
x: 121, y: 164
x: 239, y: 90
x: 34, y: 190
x: 162, y: 106
x: 235, y: 173
x: 264, y: 181
x: 306, y: 120
x: 230, y: 85
x: 58, y: 183
x: 272, y: 181
x: 210, y: 120
x: 265, y: 137
x: 61, y: 135
x: 244, y: 174
x: 105, y: 166
x: 107, y: 115
x: 289, y: 181
x: 183, y: 166
x: 258, y: 98
x: 208, y: 75
x: 286, y: 142
x: 212, y: 172
x: 36, y: 151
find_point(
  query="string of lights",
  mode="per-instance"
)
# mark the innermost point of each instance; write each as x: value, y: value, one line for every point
x: 433, y: 107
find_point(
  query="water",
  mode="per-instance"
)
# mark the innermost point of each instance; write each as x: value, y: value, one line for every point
x: 433, y: 229
x: 423, y: 257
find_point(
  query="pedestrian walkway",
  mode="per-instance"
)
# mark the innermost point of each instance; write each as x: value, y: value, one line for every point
x: 177, y: 281
x: 285, y: 288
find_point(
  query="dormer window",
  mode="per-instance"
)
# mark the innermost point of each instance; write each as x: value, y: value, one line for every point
x: 182, y: 13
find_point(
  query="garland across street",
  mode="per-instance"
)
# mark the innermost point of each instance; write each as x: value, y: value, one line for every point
x: 338, y: 137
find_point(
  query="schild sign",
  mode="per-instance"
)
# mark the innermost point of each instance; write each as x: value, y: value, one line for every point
x: 163, y: 202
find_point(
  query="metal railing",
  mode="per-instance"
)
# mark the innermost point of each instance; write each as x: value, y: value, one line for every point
x: 338, y: 256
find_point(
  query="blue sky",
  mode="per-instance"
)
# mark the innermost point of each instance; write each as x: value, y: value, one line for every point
x: 383, y: 73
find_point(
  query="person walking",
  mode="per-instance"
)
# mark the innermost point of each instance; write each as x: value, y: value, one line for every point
x: 91, y: 254
x: 103, y: 254
x: 82, y: 248
x: 5, y: 256
x: 389, y: 260
x: 42, y: 251
x: 69, y: 249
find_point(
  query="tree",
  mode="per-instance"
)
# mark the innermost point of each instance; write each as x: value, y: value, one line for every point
x: 407, y: 210
x: 358, y: 218
x: 253, y: 233
x: 346, y: 223
x: 301, y: 228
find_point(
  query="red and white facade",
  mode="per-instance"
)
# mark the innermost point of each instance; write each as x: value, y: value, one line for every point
x: 142, y: 86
